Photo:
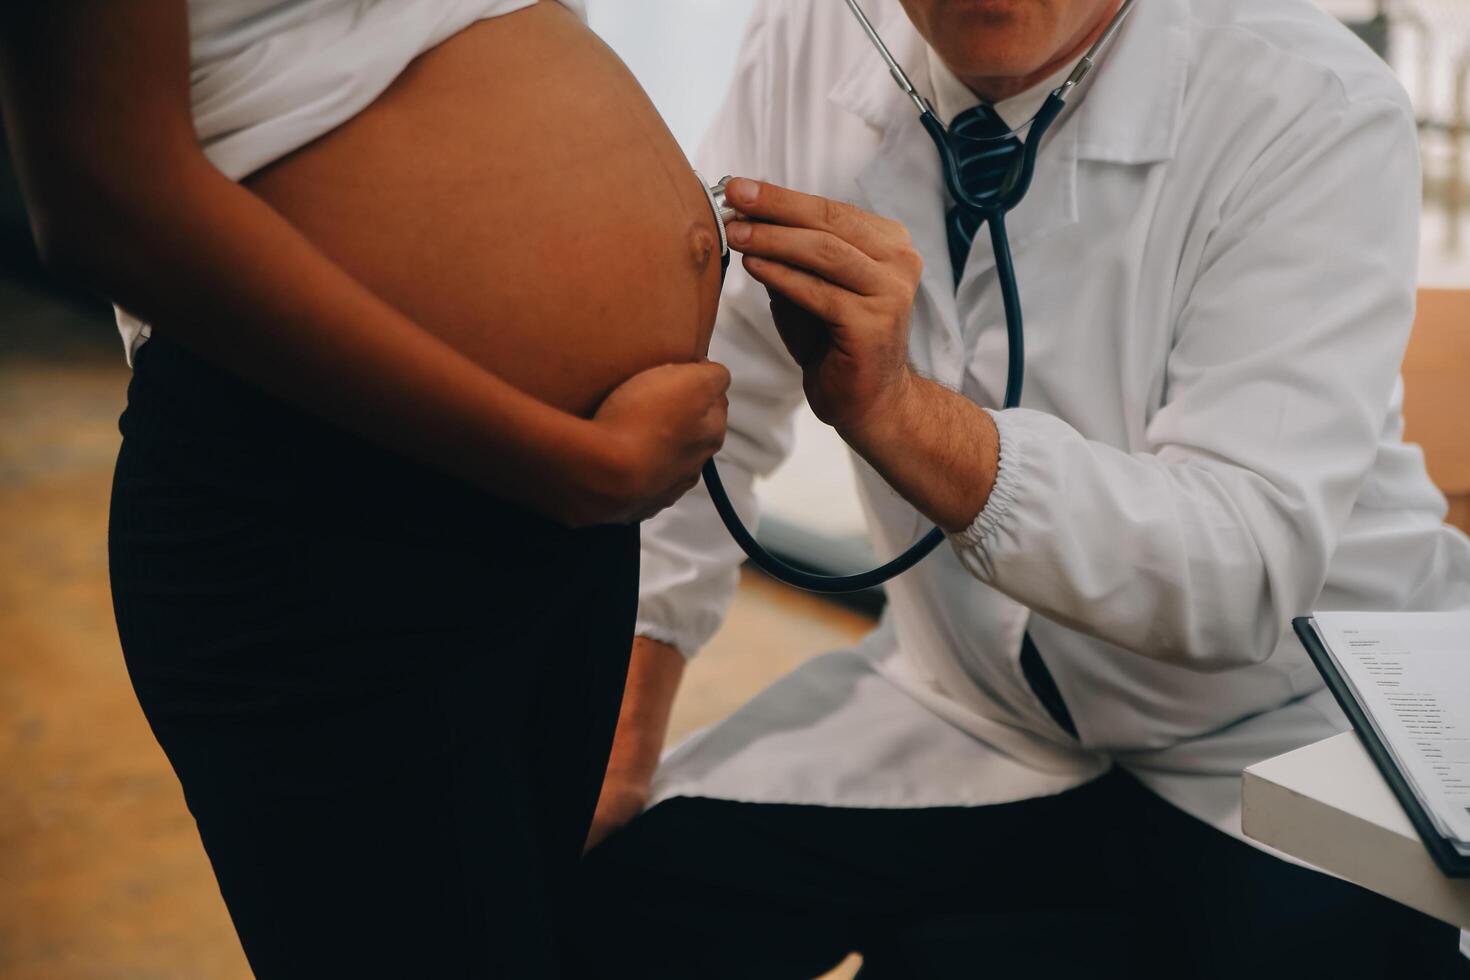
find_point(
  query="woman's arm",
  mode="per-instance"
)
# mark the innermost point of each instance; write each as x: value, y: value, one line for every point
x: 122, y: 199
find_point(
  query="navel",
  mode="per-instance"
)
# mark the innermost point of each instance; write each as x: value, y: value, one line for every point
x: 704, y: 245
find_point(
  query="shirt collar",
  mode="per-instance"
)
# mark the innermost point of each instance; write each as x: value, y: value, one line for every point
x: 1129, y: 111
x: 952, y: 96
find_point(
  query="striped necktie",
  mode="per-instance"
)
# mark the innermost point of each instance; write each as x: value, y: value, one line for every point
x: 985, y: 151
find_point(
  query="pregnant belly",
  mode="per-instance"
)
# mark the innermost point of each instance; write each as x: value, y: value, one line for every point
x: 516, y: 194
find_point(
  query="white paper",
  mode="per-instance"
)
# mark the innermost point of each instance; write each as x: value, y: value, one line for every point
x: 1411, y: 673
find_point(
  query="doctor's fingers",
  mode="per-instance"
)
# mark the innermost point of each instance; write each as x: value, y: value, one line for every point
x: 831, y: 304
x: 774, y: 204
x: 821, y: 252
x: 804, y: 336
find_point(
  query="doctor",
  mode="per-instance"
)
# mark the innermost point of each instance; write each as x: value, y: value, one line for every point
x: 1032, y: 766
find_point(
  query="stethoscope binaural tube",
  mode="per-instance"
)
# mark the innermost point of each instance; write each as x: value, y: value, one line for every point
x: 994, y: 213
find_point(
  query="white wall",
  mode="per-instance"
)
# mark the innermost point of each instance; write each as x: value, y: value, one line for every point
x: 683, y: 51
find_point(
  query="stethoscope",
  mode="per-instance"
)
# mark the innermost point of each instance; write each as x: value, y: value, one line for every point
x: 992, y: 211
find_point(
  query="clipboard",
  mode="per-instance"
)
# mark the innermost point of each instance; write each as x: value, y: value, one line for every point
x: 1451, y: 862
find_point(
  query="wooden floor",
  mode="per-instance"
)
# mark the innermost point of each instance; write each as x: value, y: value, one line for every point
x: 101, y: 872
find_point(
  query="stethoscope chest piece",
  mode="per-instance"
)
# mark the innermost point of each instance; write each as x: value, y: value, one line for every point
x: 724, y: 213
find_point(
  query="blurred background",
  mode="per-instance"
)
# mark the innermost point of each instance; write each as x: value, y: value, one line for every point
x: 101, y: 874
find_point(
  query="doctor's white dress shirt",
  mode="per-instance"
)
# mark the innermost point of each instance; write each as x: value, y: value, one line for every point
x: 1217, y: 260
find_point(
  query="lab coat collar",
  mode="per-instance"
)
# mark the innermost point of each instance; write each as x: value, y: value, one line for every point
x: 1134, y: 111
x: 1129, y: 111
x: 864, y: 87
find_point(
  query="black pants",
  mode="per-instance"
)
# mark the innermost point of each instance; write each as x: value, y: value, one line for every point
x: 1103, y: 881
x: 389, y: 697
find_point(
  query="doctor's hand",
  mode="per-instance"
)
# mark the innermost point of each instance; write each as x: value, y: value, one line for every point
x: 842, y: 283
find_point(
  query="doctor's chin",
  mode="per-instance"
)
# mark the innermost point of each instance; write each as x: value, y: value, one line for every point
x: 735, y: 489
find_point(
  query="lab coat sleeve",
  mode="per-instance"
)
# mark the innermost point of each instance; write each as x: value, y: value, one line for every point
x: 690, y: 565
x: 1200, y: 548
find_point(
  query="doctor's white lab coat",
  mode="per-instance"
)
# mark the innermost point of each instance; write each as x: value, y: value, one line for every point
x: 1217, y: 260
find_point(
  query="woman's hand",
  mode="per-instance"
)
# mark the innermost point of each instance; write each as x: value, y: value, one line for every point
x: 647, y: 443
x: 842, y: 283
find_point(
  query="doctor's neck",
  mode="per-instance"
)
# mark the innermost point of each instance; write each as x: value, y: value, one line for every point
x: 1001, y: 48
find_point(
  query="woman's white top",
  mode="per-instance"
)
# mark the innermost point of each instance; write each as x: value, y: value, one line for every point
x: 1217, y: 260
x: 269, y: 76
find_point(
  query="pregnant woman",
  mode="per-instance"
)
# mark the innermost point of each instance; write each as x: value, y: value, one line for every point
x: 402, y: 384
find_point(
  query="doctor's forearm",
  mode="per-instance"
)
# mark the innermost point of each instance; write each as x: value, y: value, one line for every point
x: 654, y: 672
x: 937, y: 449
x: 653, y: 679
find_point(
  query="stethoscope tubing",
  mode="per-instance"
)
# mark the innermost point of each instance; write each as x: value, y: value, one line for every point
x: 800, y: 578
x: 993, y: 211
x: 1019, y: 181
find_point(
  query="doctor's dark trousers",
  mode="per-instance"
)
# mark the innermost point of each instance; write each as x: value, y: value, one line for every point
x: 389, y: 697
x: 1103, y: 881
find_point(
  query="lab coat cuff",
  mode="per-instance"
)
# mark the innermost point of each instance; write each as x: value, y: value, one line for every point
x: 973, y: 544
x: 661, y: 634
